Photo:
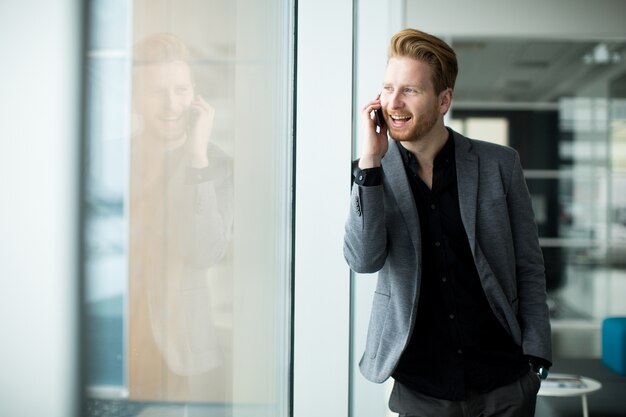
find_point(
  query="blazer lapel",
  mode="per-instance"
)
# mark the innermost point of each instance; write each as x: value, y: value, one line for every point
x: 467, y: 180
x: 396, y: 180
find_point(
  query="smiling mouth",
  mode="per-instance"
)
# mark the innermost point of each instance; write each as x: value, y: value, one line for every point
x: 399, y: 120
x: 170, y: 118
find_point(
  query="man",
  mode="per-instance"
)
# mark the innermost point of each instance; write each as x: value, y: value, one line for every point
x: 459, y: 316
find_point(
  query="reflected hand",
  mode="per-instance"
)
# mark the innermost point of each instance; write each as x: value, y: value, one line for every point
x: 199, y: 131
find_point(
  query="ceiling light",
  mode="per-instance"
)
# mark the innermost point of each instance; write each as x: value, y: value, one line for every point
x: 601, y: 54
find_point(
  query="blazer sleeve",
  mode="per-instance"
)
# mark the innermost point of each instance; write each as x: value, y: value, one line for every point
x: 365, y: 238
x: 533, y: 312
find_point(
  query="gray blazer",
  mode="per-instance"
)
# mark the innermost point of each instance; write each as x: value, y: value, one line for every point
x: 383, y: 234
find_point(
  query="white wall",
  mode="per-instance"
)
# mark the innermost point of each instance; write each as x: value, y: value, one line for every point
x: 38, y: 218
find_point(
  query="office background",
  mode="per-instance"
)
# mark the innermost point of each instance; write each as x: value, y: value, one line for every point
x: 286, y: 79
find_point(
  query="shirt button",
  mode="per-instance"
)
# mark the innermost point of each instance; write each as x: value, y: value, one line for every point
x: 360, y: 177
x: 451, y: 316
x: 432, y: 206
x: 437, y: 244
x: 459, y: 351
x: 444, y: 279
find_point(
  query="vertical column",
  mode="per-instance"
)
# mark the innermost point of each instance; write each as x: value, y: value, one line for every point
x: 377, y: 21
x: 40, y: 48
x: 323, y: 141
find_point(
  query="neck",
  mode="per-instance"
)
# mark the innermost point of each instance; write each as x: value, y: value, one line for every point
x: 156, y: 144
x: 426, y: 148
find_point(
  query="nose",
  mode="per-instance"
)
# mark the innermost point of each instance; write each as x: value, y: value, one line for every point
x: 172, y: 101
x: 394, y: 100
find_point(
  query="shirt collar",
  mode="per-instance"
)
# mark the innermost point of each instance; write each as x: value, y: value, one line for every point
x: 445, y: 154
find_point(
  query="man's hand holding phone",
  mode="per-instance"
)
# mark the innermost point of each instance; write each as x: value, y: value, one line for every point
x: 199, y: 131
x: 375, y: 143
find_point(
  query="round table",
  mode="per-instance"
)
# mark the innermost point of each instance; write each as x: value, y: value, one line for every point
x: 591, y: 385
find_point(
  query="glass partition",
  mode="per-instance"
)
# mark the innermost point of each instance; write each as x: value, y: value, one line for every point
x: 188, y: 208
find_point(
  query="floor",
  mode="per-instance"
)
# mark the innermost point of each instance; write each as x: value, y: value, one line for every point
x: 610, y: 401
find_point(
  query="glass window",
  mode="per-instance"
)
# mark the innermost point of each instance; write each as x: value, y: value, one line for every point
x: 564, y: 103
x: 188, y: 208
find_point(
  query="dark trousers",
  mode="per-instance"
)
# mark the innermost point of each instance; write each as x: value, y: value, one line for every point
x: 517, y: 399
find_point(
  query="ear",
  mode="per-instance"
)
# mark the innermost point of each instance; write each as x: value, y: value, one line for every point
x: 445, y: 100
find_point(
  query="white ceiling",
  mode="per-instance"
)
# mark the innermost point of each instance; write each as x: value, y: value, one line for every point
x: 525, y: 51
x: 514, y: 70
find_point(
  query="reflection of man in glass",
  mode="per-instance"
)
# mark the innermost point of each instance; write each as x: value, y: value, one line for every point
x: 181, y: 226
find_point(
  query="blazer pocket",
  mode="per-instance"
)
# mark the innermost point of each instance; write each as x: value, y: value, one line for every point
x: 378, y: 319
x: 492, y: 203
x: 493, y: 225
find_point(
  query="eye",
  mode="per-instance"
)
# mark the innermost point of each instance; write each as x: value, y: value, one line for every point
x: 156, y: 93
x: 387, y: 89
x: 410, y: 90
x: 182, y: 90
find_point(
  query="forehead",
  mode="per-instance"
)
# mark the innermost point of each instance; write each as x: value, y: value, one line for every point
x: 408, y: 71
x: 165, y: 73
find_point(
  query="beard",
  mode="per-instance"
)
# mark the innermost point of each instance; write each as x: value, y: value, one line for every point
x: 422, y: 125
x: 167, y: 131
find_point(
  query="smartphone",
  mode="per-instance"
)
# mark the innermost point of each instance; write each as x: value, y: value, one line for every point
x: 379, y: 118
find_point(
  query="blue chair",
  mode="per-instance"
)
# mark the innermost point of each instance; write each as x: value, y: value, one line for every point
x: 614, y: 344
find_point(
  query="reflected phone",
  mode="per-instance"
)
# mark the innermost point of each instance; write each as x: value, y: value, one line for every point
x: 192, y: 119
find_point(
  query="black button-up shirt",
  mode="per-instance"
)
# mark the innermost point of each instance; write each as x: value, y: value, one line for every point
x: 457, y: 343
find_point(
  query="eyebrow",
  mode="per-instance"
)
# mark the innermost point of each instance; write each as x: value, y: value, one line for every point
x: 417, y: 87
x: 401, y: 85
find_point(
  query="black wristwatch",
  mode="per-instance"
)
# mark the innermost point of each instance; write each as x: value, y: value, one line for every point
x: 540, y: 370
